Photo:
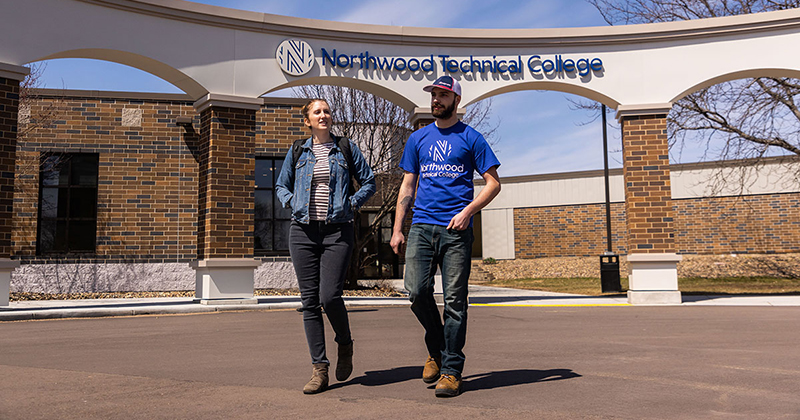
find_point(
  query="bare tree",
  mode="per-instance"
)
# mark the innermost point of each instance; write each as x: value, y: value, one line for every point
x: 380, y: 128
x: 740, y: 119
x: 35, y: 115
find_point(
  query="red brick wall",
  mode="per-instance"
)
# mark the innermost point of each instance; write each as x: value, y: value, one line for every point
x: 147, y: 192
x: 148, y: 187
x: 225, y: 224
x: 9, y: 104
x: 277, y: 127
x: 648, y: 199
x: 568, y: 230
x: 756, y: 224
x: 149, y: 175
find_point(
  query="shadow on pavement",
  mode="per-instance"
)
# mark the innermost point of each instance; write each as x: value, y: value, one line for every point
x: 384, y: 377
x: 476, y: 382
x: 505, y: 378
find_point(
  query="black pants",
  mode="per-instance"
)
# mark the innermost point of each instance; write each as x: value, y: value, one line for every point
x: 321, y: 254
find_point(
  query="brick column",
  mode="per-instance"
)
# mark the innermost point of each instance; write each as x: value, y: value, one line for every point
x: 225, y: 263
x: 10, y: 77
x: 648, y: 205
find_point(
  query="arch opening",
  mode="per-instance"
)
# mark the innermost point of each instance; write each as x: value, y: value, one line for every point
x: 552, y: 86
x: 148, y: 65
x: 363, y: 85
x: 749, y: 114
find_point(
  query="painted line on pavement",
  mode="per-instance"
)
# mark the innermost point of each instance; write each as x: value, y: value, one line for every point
x: 524, y: 305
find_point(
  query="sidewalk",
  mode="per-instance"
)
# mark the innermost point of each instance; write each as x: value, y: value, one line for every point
x: 479, y: 296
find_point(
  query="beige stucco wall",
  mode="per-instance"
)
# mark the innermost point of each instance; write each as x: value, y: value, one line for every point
x: 215, y: 53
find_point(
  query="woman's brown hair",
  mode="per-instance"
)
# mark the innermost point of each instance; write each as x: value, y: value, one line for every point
x: 307, y: 107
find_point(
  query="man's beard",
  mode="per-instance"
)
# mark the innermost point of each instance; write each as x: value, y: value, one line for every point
x: 445, y: 113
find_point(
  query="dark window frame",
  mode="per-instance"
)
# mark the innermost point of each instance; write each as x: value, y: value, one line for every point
x: 70, y: 189
x: 277, y: 215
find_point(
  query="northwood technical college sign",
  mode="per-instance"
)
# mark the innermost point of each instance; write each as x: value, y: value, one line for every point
x: 296, y: 57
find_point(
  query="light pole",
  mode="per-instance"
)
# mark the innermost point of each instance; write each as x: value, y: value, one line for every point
x: 609, y: 261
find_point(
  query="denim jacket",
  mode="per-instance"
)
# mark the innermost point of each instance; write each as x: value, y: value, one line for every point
x: 294, y: 183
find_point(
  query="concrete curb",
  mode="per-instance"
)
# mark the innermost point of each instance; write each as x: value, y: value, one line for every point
x: 27, y: 311
x: 479, y: 296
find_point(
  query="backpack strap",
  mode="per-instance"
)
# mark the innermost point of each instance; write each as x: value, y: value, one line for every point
x: 297, y: 150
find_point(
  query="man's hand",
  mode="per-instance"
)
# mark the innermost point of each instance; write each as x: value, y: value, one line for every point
x: 397, y: 242
x: 460, y: 221
x: 405, y: 199
x: 487, y: 194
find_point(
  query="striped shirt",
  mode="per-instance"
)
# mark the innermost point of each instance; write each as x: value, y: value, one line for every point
x: 320, y: 190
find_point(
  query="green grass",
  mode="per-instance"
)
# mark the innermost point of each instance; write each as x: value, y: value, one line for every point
x: 725, y: 286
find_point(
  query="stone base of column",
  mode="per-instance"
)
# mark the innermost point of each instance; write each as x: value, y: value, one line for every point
x: 653, y: 279
x: 655, y: 297
x: 225, y: 281
x: 7, y: 266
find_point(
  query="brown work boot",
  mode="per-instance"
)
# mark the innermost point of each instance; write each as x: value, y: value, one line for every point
x: 430, y: 373
x: 448, y: 386
x: 319, y: 379
x: 344, y: 363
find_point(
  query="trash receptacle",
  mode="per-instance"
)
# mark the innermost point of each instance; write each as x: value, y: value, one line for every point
x: 609, y: 273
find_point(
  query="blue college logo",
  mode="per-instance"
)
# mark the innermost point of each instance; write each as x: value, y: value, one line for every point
x: 295, y: 57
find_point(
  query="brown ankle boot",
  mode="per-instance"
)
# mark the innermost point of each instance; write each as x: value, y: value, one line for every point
x: 448, y: 386
x: 430, y: 373
x: 319, y: 379
x: 344, y: 363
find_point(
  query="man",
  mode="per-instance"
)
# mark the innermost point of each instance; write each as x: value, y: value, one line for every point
x: 442, y: 157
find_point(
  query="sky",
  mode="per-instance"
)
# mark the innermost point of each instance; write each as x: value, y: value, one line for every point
x: 537, y: 131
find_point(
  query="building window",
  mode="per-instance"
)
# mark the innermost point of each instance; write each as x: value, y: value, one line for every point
x: 272, y: 220
x: 68, y: 203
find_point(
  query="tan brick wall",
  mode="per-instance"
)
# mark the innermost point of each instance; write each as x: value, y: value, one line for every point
x: 648, y: 197
x: 9, y: 106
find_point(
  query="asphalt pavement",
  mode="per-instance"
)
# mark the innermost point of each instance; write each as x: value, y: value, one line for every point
x: 545, y: 358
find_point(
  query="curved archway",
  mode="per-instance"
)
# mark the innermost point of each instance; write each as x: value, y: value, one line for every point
x: 146, y: 64
x: 552, y: 86
x: 360, y: 84
x: 743, y: 74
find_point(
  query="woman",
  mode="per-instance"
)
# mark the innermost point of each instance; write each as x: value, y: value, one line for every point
x: 315, y: 183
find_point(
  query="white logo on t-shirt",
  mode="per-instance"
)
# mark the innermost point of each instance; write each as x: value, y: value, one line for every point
x: 440, y: 151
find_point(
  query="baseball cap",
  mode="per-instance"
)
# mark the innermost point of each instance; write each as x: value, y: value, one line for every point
x: 446, y: 83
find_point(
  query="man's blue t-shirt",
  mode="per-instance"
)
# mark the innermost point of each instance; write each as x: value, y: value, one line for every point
x: 445, y: 161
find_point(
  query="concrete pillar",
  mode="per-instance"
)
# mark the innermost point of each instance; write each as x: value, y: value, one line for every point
x: 421, y: 117
x: 10, y: 77
x: 648, y: 205
x: 225, y: 265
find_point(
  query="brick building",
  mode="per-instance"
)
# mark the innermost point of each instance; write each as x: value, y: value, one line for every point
x: 563, y: 214
x: 226, y: 60
x: 108, y: 198
x: 109, y: 192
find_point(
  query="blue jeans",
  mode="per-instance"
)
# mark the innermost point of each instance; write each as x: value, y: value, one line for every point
x: 429, y: 247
